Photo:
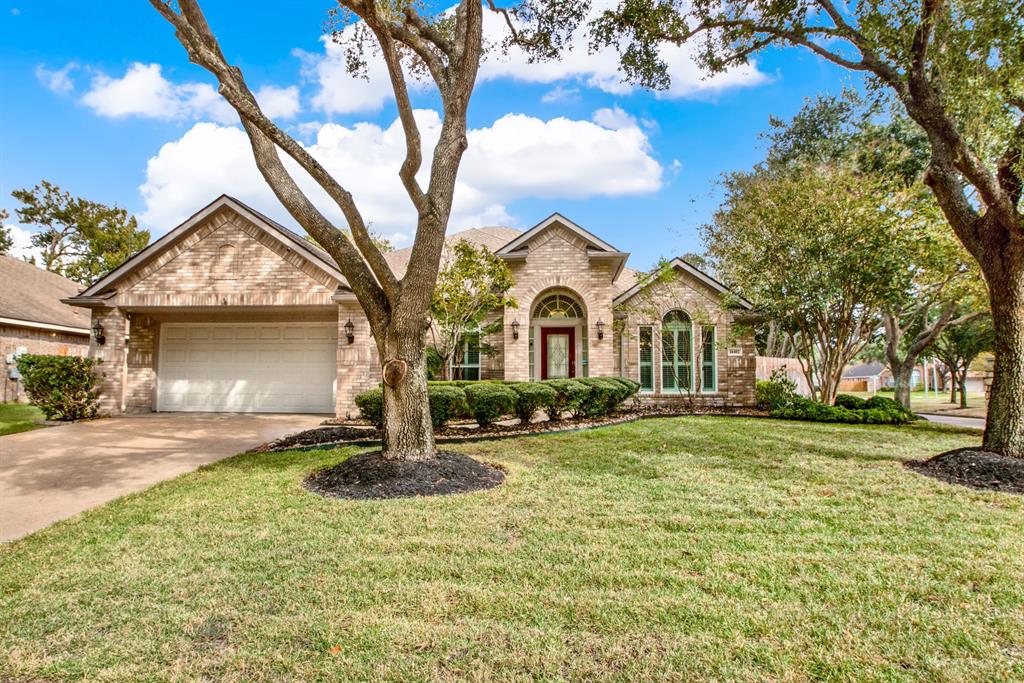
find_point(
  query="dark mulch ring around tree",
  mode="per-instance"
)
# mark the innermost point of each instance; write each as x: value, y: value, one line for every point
x: 975, y: 468
x: 371, y: 476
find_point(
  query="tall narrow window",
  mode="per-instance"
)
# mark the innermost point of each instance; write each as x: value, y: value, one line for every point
x: 676, y: 352
x: 466, y: 362
x: 708, y: 365
x: 646, y: 377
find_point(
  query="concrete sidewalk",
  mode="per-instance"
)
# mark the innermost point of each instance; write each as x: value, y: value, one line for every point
x: 972, y: 422
x: 54, y: 473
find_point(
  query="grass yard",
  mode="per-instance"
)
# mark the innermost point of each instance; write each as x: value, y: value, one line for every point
x: 685, y: 548
x: 940, y: 405
x: 18, y: 417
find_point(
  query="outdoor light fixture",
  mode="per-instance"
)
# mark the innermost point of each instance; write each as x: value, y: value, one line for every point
x: 515, y: 328
x: 350, y: 331
x: 97, y: 333
x: 600, y: 328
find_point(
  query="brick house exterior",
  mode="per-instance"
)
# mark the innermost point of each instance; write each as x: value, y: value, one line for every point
x: 231, y: 311
x: 34, y: 320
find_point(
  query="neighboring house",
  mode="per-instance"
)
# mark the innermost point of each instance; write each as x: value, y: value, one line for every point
x: 874, y: 376
x: 33, y: 319
x: 231, y: 311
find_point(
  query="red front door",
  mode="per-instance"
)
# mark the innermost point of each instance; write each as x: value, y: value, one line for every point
x: 557, y: 352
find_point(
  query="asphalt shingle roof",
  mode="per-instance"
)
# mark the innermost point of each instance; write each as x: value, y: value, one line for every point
x: 33, y: 294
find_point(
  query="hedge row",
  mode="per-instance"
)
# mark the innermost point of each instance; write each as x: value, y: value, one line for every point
x: 489, y: 401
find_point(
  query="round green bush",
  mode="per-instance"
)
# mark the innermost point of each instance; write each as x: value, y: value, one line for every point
x: 851, y: 402
x: 371, y: 406
x: 531, y: 397
x: 569, y: 394
x: 63, y: 387
x: 446, y: 402
x: 490, y: 401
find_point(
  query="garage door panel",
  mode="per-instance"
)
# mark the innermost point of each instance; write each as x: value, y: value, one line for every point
x: 247, y: 368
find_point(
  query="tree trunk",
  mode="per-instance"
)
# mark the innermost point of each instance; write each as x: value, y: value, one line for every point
x: 952, y: 388
x: 1004, y: 430
x: 901, y: 375
x: 963, y: 388
x: 408, y: 433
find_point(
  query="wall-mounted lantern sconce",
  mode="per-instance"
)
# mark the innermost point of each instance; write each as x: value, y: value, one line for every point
x: 97, y: 333
x: 515, y: 328
x: 350, y: 331
x: 600, y: 328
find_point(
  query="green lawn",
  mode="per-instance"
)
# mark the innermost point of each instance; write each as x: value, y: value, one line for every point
x: 686, y: 549
x: 18, y: 417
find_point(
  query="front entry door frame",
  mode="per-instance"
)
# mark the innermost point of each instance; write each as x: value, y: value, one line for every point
x: 547, y: 331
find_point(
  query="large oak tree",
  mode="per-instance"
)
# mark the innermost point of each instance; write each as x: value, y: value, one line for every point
x: 956, y: 66
x: 445, y: 49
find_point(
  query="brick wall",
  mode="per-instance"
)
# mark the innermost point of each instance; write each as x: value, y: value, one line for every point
x: 34, y: 341
x: 557, y: 260
x: 140, y: 377
x: 112, y: 352
x: 358, y: 362
x: 735, y: 353
x: 227, y: 261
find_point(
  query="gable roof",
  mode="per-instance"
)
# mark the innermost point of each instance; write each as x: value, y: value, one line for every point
x: 596, y: 247
x: 872, y: 369
x: 290, y: 239
x: 680, y: 264
x: 31, y: 297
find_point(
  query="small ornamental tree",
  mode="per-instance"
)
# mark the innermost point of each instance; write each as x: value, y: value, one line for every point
x: 810, y: 245
x: 473, y: 283
x: 78, y: 238
x: 956, y: 68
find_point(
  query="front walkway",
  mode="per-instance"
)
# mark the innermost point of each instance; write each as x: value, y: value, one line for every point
x: 51, y: 474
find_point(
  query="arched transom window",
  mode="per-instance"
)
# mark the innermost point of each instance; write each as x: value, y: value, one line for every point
x: 676, y: 351
x: 558, y: 305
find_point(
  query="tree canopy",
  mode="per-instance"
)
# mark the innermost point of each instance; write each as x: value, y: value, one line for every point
x: 78, y: 238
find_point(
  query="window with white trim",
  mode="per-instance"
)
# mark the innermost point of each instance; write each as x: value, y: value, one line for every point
x: 708, y: 362
x: 466, y: 361
x: 645, y: 336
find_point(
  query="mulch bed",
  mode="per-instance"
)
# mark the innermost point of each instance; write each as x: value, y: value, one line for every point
x: 975, y: 468
x: 339, y: 433
x: 371, y: 476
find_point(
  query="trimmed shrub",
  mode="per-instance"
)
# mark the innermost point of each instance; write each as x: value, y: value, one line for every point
x: 812, y: 411
x: 851, y: 402
x: 530, y: 397
x: 883, y: 403
x: 371, y: 406
x: 605, y: 395
x: 489, y: 401
x: 775, y: 393
x: 63, y: 387
x: 569, y: 394
x: 446, y: 402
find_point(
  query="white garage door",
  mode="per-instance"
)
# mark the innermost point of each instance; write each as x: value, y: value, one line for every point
x: 259, y: 367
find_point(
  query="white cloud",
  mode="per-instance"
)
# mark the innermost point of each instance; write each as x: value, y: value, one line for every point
x: 57, y: 80
x: 279, y: 102
x: 340, y: 92
x: 143, y: 91
x: 560, y: 94
x: 516, y: 157
x: 614, y: 119
x: 22, y: 247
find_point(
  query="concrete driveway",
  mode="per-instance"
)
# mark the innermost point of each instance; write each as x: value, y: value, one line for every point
x: 54, y: 473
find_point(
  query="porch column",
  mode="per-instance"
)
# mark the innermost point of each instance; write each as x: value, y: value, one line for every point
x: 517, y: 351
x: 111, y: 370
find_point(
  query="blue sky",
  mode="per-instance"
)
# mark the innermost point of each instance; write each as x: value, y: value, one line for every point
x: 100, y: 98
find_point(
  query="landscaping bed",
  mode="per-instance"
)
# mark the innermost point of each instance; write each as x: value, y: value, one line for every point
x: 337, y: 433
x: 372, y: 476
x: 975, y: 468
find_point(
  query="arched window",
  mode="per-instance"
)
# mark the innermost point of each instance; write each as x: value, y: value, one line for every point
x: 558, y: 305
x: 676, y: 351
